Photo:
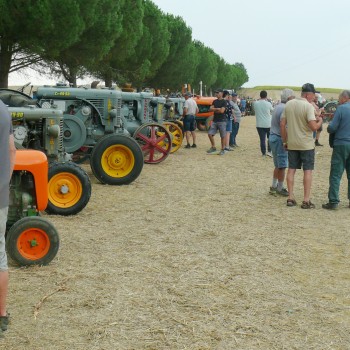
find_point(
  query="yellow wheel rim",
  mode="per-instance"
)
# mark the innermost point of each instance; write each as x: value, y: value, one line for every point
x: 118, y: 161
x: 65, y: 190
x: 176, y: 135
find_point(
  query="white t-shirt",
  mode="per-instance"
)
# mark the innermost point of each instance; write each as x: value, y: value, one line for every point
x: 263, y: 110
x: 191, y: 106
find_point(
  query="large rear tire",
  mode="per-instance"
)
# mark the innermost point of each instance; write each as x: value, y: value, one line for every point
x: 32, y: 241
x: 116, y: 160
x: 201, y: 125
x: 155, y: 141
x: 69, y: 189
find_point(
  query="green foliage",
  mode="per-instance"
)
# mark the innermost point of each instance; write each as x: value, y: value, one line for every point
x: 177, y: 68
x: 115, y: 40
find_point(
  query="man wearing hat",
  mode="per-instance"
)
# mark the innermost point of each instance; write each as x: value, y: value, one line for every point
x: 189, y: 112
x: 299, y: 116
x: 219, y: 122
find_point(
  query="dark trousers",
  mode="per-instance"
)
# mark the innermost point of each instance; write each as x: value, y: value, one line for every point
x: 263, y: 134
x: 235, y: 128
x: 340, y: 161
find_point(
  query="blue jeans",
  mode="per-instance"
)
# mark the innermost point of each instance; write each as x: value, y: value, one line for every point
x: 263, y: 133
x: 235, y: 128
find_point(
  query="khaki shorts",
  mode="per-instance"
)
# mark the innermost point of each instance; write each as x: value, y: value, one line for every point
x: 215, y: 126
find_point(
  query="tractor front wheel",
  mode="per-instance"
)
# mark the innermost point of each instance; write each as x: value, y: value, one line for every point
x: 155, y: 142
x: 32, y: 241
x: 69, y: 189
x: 116, y: 160
x: 201, y: 125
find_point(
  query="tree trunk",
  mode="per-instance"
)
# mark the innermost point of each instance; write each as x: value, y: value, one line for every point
x: 5, y: 62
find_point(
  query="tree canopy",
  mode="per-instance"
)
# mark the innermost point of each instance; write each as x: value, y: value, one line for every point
x: 116, y: 41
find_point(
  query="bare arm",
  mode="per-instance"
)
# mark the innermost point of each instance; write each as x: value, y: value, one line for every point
x: 12, y: 149
x: 314, y: 125
x: 283, y: 124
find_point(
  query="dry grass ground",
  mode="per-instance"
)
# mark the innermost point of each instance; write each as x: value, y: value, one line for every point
x: 194, y: 254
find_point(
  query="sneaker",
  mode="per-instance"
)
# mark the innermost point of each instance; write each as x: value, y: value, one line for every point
x: 269, y: 154
x: 4, y: 321
x: 222, y: 152
x: 282, y: 192
x: 330, y: 206
x: 211, y: 150
x: 318, y: 144
x: 229, y: 149
x: 194, y: 145
x: 187, y: 146
x: 273, y: 190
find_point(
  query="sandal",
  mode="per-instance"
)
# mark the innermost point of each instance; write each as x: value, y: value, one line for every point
x: 291, y: 202
x: 307, y: 205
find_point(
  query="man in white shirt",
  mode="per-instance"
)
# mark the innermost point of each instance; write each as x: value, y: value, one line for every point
x: 189, y: 113
x: 263, y: 114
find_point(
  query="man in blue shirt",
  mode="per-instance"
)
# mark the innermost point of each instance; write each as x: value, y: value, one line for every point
x: 339, y: 127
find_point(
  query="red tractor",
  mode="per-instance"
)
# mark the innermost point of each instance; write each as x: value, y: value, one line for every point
x: 30, y: 239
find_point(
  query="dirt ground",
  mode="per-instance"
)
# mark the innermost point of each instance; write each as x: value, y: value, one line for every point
x: 194, y: 254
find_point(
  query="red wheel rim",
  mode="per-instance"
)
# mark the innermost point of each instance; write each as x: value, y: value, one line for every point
x: 155, y: 143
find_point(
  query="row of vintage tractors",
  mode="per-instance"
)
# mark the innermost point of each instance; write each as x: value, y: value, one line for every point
x: 117, y: 131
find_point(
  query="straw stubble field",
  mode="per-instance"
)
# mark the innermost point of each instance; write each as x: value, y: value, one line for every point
x: 194, y: 254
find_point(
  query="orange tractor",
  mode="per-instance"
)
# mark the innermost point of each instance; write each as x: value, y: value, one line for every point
x: 204, y: 117
x: 30, y: 239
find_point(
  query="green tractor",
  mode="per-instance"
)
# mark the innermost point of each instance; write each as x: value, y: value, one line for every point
x: 113, y: 128
x: 35, y: 128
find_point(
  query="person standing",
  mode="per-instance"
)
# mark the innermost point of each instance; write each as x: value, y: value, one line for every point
x: 189, y: 113
x: 340, y: 128
x: 219, y: 122
x: 279, y: 153
x: 263, y: 109
x: 242, y: 104
x: 7, y: 161
x: 229, y: 119
x: 298, y: 122
x: 237, y: 114
x: 318, y: 112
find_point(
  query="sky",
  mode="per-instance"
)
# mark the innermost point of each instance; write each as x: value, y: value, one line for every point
x: 280, y: 43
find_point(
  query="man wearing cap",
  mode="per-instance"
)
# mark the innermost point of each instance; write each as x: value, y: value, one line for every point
x: 189, y: 112
x: 219, y: 122
x: 339, y: 127
x: 298, y: 122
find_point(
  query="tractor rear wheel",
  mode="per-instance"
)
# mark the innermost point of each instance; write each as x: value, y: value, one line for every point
x: 32, y: 241
x: 177, y: 135
x: 155, y: 142
x: 116, y: 160
x: 69, y: 189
